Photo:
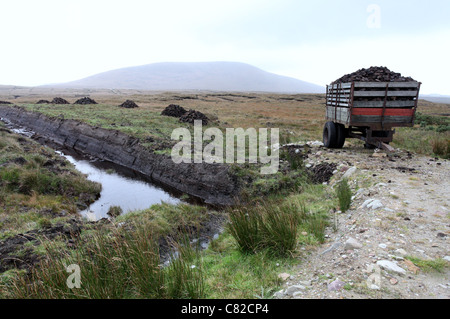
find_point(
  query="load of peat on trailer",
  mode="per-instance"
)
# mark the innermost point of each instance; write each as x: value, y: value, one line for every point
x: 367, y: 105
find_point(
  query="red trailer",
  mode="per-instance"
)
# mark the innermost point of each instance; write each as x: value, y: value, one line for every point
x: 368, y: 111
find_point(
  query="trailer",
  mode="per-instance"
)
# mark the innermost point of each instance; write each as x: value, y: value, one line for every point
x: 368, y: 111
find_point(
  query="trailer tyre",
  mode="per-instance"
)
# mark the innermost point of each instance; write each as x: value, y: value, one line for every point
x: 329, y: 135
x: 340, y: 135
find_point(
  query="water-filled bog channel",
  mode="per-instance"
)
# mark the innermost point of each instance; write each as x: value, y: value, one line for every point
x: 120, y: 187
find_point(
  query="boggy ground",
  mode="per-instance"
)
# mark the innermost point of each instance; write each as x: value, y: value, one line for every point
x: 411, y: 224
x: 399, y: 218
x: 300, y: 116
x: 40, y: 194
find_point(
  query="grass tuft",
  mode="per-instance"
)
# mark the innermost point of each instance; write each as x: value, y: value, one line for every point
x: 441, y: 146
x: 274, y: 226
x: 344, y: 195
x: 438, y: 265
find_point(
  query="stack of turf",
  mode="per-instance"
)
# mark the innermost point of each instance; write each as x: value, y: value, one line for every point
x: 43, y: 102
x: 192, y: 115
x: 174, y: 111
x: 59, y: 100
x: 185, y: 116
x: 129, y: 104
x: 373, y: 74
x: 85, y: 101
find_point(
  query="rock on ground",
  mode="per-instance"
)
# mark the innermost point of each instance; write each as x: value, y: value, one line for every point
x: 351, y: 244
x: 336, y: 285
x: 391, y: 267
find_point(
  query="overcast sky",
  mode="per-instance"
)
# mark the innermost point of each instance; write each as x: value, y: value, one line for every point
x: 317, y: 41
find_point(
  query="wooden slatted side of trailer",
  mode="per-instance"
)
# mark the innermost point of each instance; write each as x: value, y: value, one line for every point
x: 379, y: 105
x: 369, y: 111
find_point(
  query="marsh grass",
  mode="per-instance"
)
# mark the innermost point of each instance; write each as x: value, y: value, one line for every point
x: 34, y: 179
x: 185, y: 278
x: 113, y: 264
x: 245, y: 228
x: 274, y: 226
x: 422, y: 141
x: 295, y: 160
x: 441, y: 146
x: 244, y: 262
x: 26, y: 180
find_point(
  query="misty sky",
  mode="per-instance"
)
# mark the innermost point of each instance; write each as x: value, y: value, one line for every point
x: 317, y: 41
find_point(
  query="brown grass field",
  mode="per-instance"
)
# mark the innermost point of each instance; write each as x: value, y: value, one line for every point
x: 300, y: 115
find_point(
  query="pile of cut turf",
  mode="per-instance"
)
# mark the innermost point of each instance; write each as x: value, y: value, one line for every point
x: 174, y: 111
x: 322, y: 172
x: 43, y: 102
x: 192, y: 115
x: 373, y: 74
x: 85, y: 101
x: 129, y: 104
x: 59, y: 100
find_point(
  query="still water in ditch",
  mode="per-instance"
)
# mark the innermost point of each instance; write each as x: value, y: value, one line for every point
x: 120, y: 187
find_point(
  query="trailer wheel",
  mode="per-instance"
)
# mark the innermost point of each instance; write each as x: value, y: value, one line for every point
x: 340, y: 135
x: 329, y: 135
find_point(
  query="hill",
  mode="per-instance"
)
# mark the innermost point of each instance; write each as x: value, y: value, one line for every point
x: 179, y: 76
